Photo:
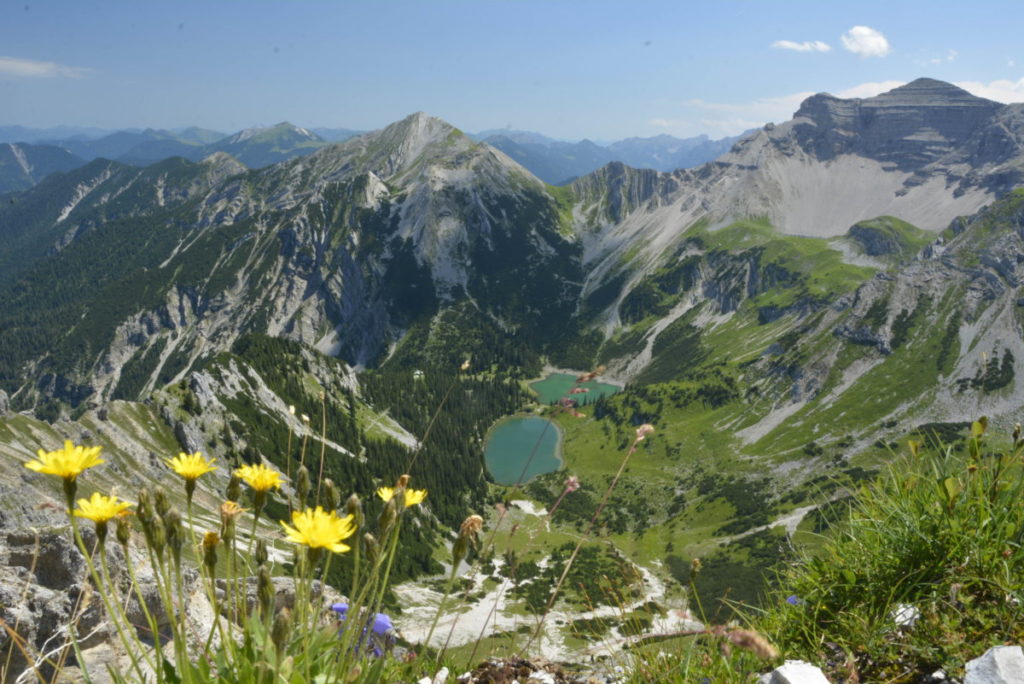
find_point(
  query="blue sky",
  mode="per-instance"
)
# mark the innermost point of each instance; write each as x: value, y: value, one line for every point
x: 566, y: 68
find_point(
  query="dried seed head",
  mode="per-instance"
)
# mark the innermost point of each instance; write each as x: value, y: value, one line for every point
x: 643, y: 431
x: 291, y: 409
x: 229, y: 513
x: 753, y: 642
x: 695, y: 566
x: 471, y: 526
x: 465, y: 366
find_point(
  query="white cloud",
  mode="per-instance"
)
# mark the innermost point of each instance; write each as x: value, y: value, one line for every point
x: 866, y: 42
x: 806, y: 46
x: 30, y: 68
x: 950, y: 56
x: 869, y: 89
x: 730, y: 119
x: 1000, y: 90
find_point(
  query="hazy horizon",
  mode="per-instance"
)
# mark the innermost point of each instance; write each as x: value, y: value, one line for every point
x: 570, y: 70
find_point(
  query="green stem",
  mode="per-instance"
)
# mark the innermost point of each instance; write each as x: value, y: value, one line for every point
x: 108, y: 605
x: 120, y: 627
x: 440, y: 606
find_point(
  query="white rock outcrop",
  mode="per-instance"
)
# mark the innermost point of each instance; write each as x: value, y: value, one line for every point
x: 794, y: 672
x: 999, y: 665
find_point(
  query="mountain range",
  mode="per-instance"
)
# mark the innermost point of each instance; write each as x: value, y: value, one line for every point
x: 347, y: 248
x: 550, y: 160
x: 782, y: 314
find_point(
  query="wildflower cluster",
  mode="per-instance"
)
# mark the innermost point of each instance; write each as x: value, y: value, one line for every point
x: 301, y: 638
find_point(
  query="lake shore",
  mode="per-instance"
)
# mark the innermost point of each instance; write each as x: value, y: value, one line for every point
x: 556, y: 453
x: 551, y: 370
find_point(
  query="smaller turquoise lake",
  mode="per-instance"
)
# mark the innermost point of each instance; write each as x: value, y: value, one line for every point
x: 557, y: 385
x: 510, y: 444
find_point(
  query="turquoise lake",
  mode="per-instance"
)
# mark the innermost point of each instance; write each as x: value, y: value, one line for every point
x: 510, y: 444
x: 557, y: 385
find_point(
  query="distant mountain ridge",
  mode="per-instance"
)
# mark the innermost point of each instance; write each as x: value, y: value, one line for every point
x: 557, y: 162
x: 22, y: 165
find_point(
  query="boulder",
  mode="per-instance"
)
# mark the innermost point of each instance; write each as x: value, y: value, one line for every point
x: 999, y: 665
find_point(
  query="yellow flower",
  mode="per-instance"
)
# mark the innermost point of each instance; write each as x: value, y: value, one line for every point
x: 260, y: 477
x: 412, y: 496
x: 68, y: 462
x: 191, y: 466
x: 100, y: 509
x: 319, y: 529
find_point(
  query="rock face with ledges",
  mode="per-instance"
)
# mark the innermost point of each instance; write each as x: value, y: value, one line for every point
x: 910, y: 126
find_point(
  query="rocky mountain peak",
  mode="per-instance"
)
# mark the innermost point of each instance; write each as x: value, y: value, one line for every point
x: 224, y: 164
x: 929, y: 91
x: 912, y: 125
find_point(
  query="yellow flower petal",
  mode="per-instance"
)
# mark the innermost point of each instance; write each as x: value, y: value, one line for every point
x: 260, y: 477
x: 191, y: 466
x: 412, y: 496
x: 318, y: 529
x: 100, y: 508
x: 68, y: 462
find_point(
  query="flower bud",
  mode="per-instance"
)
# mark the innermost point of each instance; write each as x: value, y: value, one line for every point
x: 210, y: 542
x: 354, y: 507
x: 175, y: 534
x: 281, y: 629
x: 261, y: 552
x: 156, y: 536
x: 144, y: 508
x: 101, y: 532
x: 390, y: 513
x: 234, y: 491
x: 265, y: 590
x: 372, y: 548
x: 124, y: 530
x: 161, y: 503
x: 331, y: 495
x: 302, y: 485
x: 459, y: 550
